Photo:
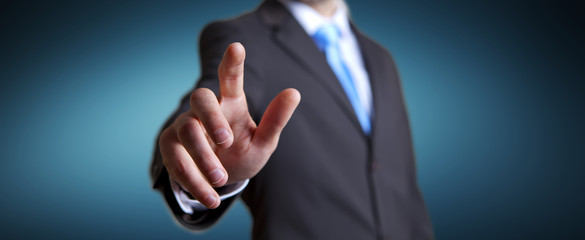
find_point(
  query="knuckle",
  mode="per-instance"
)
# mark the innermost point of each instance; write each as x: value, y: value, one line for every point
x: 236, y: 71
x: 186, y: 129
x: 166, y: 136
x: 231, y: 73
x: 214, y: 119
x: 200, y: 186
x: 199, y: 189
x: 180, y: 170
x: 198, y: 192
x: 206, y: 159
x: 201, y: 95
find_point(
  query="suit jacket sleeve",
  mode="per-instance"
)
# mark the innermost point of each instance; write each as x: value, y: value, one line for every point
x: 214, y: 40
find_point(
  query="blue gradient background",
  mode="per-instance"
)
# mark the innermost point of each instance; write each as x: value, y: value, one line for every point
x: 495, y: 93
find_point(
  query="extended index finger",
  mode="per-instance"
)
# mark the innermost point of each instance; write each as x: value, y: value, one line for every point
x: 231, y: 71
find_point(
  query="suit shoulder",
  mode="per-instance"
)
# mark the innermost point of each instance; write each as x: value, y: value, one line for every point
x: 232, y: 26
x: 373, y: 44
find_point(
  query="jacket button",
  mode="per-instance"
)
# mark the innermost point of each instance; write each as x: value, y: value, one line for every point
x: 375, y: 165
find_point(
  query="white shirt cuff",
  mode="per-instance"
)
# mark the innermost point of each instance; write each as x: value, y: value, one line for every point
x: 189, y: 205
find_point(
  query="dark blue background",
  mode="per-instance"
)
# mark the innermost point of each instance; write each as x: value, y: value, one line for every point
x: 494, y: 90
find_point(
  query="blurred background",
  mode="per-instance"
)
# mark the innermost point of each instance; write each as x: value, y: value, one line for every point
x: 495, y: 91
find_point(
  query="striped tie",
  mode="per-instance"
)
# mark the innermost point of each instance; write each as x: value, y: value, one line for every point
x: 326, y: 39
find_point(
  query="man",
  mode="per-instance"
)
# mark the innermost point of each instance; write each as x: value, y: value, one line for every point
x: 344, y: 165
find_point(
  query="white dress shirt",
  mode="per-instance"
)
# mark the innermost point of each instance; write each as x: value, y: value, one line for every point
x: 311, y: 21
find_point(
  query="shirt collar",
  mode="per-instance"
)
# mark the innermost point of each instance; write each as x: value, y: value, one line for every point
x: 311, y: 20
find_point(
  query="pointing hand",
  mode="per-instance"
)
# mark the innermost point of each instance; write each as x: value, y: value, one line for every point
x: 217, y: 142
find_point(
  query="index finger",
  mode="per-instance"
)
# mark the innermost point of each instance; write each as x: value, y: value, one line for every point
x: 231, y: 71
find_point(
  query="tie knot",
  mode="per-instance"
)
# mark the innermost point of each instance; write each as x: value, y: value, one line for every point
x: 327, y: 35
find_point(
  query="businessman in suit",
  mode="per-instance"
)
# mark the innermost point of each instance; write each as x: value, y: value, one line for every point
x: 342, y: 168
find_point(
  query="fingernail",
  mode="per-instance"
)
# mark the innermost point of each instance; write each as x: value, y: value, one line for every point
x: 210, y: 200
x: 221, y: 136
x: 216, y: 176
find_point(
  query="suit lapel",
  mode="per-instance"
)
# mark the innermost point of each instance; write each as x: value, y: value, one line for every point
x: 289, y: 35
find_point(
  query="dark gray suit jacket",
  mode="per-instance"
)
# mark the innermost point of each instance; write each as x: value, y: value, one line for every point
x: 326, y: 179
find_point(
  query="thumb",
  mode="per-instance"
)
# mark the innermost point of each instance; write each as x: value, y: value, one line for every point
x: 275, y: 118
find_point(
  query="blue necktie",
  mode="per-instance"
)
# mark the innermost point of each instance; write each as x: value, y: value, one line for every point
x: 326, y: 39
